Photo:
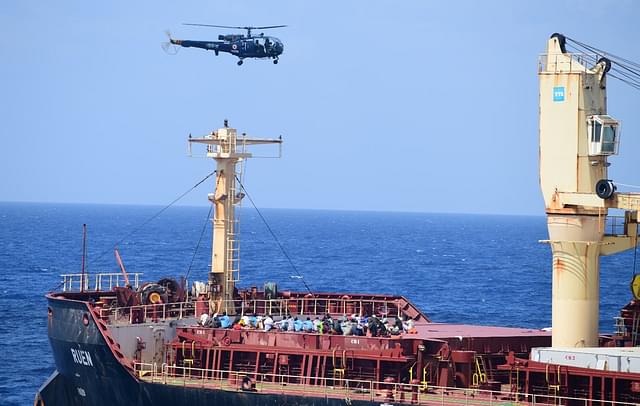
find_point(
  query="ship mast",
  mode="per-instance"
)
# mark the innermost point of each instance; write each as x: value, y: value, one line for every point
x: 576, y: 138
x: 229, y: 152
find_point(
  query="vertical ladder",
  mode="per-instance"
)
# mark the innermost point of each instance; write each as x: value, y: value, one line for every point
x: 554, y: 382
x: 480, y: 374
x: 233, y: 253
x: 233, y: 229
x: 514, y: 381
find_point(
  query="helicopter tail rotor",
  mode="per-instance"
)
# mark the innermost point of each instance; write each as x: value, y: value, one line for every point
x: 171, y: 46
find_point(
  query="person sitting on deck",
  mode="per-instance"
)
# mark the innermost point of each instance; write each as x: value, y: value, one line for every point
x: 383, y: 330
x: 225, y: 321
x: 409, y: 327
x: 397, y: 327
x: 297, y: 324
x: 253, y: 321
x: 364, y: 324
x: 386, y: 327
x: 204, y: 317
x: 329, y: 324
x: 291, y: 324
x: 307, y: 326
x: 214, y: 321
x: 268, y: 323
x: 337, y: 327
x: 346, y: 326
x: 316, y: 324
x: 357, y: 329
x: 277, y: 325
x: 372, y: 326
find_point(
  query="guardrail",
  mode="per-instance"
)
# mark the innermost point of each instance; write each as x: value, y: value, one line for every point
x: 144, y: 313
x: 77, y: 282
x: 311, y: 306
x: 348, y: 389
x: 274, y: 307
x: 560, y: 63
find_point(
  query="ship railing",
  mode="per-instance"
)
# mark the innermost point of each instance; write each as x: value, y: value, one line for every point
x: 277, y: 308
x: 616, y: 225
x: 313, y: 306
x: 77, y: 282
x: 348, y: 389
x: 148, y: 313
x: 558, y: 63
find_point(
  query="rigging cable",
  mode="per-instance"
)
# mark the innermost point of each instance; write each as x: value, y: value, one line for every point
x: 622, y: 69
x: 274, y: 236
x: 204, y: 228
x: 135, y: 230
x: 628, y: 185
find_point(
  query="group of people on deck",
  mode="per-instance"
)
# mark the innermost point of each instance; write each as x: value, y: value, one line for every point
x: 372, y: 326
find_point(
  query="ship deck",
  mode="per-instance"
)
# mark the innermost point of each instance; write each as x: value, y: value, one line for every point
x: 347, y: 389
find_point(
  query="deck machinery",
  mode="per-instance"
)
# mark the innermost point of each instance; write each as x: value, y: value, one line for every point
x: 149, y: 344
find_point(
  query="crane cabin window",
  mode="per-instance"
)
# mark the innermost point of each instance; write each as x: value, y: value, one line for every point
x: 604, y: 135
x: 609, y: 139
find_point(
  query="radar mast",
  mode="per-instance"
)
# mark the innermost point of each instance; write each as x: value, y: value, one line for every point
x: 229, y: 151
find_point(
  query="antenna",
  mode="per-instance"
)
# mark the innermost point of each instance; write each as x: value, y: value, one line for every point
x: 84, y: 254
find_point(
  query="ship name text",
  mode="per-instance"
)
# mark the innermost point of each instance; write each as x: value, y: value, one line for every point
x: 81, y: 357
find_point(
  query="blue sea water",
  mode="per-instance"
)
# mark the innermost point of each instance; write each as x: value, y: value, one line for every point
x: 457, y: 268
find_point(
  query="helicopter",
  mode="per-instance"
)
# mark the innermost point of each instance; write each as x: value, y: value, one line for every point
x: 243, y: 46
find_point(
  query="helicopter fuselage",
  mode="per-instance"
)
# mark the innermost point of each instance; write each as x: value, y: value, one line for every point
x: 240, y: 46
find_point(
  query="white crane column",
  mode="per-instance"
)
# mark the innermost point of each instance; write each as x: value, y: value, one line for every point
x: 569, y: 93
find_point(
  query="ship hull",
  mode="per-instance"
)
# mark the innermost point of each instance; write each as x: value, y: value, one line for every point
x: 88, y: 373
x: 58, y: 391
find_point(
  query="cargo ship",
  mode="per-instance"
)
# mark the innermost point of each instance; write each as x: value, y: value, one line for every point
x: 119, y: 341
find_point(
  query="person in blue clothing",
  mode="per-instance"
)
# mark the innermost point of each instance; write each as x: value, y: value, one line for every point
x: 225, y: 321
x: 297, y: 324
x: 307, y: 326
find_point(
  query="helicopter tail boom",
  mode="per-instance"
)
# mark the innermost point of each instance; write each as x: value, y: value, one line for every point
x: 208, y: 45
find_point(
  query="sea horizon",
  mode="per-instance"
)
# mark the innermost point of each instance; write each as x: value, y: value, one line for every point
x: 246, y: 207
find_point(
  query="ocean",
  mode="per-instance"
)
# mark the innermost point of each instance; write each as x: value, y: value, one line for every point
x: 480, y: 269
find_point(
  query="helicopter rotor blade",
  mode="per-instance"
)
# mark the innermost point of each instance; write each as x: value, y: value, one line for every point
x: 266, y: 27
x: 216, y: 26
x: 167, y: 46
x: 236, y: 27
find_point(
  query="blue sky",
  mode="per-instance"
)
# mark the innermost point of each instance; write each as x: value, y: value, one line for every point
x: 401, y: 106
